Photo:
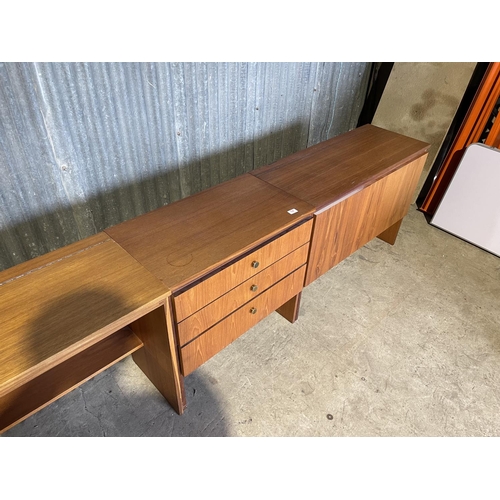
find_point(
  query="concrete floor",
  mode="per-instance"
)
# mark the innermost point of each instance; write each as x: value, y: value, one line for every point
x: 394, y: 341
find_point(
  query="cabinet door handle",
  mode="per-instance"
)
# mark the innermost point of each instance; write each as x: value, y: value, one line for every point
x: 255, y: 264
x: 254, y: 288
x: 253, y: 310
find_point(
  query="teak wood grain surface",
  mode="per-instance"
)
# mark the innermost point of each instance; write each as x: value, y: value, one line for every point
x: 158, y: 358
x: 224, y: 280
x: 203, y: 319
x: 345, y: 227
x: 229, y: 329
x: 58, y: 305
x: 188, y: 238
x: 337, y: 168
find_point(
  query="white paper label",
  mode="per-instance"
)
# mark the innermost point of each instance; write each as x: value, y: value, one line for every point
x: 292, y: 211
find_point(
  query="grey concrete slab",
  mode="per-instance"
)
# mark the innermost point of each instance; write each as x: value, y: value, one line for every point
x: 396, y: 340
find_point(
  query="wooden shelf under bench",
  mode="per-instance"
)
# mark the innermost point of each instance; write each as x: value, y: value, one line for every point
x: 25, y: 399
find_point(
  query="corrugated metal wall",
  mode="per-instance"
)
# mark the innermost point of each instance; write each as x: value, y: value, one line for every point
x: 86, y: 146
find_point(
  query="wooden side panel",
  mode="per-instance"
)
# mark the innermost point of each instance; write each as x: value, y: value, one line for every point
x: 228, y: 330
x: 34, y: 395
x: 203, y: 319
x: 391, y: 233
x: 290, y: 309
x: 158, y: 359
x: 210, y: 289
x: 347, y: 226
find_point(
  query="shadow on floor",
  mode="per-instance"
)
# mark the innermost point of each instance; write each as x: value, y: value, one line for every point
x: 122, y: 402
x: 119, y: 401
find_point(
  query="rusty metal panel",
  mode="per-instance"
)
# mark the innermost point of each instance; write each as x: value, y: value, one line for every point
x: 84, y: 146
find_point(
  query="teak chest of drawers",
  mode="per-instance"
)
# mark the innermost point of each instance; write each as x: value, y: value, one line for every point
x: 175, y: 286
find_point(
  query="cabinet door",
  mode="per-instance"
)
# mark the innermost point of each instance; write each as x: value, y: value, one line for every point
x: 345, y: 227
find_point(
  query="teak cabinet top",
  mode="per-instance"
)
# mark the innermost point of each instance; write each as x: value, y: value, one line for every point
x: 188, y: 238
x: 62, y: 302
x: 332, y: 170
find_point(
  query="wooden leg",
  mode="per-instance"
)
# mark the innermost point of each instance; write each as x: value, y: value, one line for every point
x: 290, y: 310
x: 158, y: 358
x: 391, y: 233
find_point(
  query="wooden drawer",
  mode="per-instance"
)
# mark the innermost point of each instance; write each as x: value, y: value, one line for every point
x: 223, y: 333
x: 203, y: 319
x: 208, y: 290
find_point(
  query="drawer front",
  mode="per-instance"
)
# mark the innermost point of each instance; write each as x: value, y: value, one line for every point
x: 207, y: 291
x: 222, y: 334
x: 203, y: 319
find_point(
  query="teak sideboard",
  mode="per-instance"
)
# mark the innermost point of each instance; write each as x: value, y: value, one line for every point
x: 176, y: 285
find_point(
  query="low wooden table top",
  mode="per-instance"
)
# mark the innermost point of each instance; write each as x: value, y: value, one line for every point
x: 190, y: 237
x: 60, y: 303
x: 332, y: 170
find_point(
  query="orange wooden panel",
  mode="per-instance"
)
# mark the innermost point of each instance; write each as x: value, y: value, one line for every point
x: 493, y: 138
x: 488, y: 107
x: 470, y: 131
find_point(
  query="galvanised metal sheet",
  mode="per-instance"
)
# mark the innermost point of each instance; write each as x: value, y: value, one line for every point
x: 84, y: 146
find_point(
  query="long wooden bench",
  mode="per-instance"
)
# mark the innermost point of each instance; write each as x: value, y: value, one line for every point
x: 175, y: 286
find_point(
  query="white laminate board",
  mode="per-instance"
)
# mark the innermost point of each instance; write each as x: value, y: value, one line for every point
x: 470, y: 208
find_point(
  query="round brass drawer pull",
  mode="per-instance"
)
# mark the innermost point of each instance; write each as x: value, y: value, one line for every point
x: 255, y: 264
x: 254, y: 288
x: 253, y: 310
